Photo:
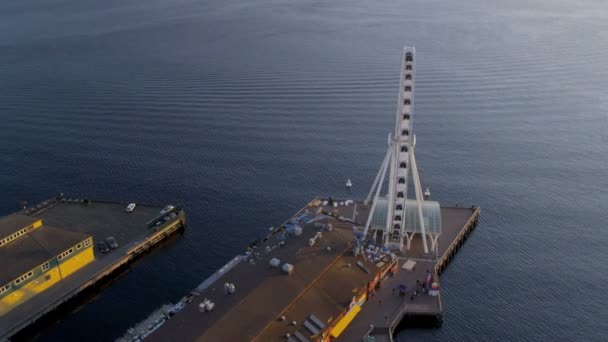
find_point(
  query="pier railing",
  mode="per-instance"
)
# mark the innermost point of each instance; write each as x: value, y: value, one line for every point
x: 457, y: 242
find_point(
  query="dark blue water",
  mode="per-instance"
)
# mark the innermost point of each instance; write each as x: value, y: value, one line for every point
x: 242, y: 111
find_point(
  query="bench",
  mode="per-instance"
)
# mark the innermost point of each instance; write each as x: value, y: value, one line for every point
x: 316, y: 321
x: 311, y: 328
x: 300, y: 336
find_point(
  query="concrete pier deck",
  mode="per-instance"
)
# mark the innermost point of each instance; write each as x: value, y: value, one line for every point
x: 329, y: 283
x: 101, y: 220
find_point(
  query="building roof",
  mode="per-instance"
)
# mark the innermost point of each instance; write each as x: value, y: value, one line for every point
x: 56, y: 240
x: 20, y: 256
x: 330, y: 295
x: 14, y: 222
x: 33, y: 249
x: 431, y: 211
x: 321, y: 285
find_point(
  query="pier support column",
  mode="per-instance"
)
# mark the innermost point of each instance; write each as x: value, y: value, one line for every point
x: 434, y: 242
x: 408, y: 240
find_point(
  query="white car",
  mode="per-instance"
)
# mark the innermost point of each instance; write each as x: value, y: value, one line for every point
x: 130, y: 207
x: 167, y: 209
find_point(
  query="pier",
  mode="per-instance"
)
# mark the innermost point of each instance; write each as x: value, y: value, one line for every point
x: 135, y: 232
x: 327, y: 282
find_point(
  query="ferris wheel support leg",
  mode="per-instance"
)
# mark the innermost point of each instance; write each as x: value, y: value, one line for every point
x: 375, y: 183
x: 419, y: 200
x: 408, y: 240
x: 434, y: 239
x: 391, y: 192
x: 382, y: 174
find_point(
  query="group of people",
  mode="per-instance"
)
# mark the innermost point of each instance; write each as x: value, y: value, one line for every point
x: 421, y: 286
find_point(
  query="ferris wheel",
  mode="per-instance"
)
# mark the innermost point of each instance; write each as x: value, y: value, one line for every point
x: 400, y: 162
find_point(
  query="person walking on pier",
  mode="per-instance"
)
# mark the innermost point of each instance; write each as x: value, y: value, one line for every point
x: 427, y: 280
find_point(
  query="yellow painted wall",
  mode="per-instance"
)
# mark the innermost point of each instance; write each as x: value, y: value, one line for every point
x: 29, y: 290
x: 337, y: 329
x: 46, y: 280
x: 37, y: 224
x: 75, y: 262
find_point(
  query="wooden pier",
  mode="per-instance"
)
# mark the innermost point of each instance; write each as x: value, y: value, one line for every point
x: 100, y: 219
x: 332, y: 295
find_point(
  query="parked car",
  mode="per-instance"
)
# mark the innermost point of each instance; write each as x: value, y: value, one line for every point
x: 103, y: 247
x: 167, y: 209
x: 130, y: 207
x: 111, y: 241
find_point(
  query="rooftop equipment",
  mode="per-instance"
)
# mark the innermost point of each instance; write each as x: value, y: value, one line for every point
x: 206, y: 305
x: 274, y: 262
x: 313, y: 240
x: 287, y: 268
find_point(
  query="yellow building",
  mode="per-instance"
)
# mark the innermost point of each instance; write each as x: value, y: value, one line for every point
x: 34, y: 257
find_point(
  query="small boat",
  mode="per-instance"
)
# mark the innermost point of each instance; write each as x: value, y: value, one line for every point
x: 349, y: 183
x: 427, y: 193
